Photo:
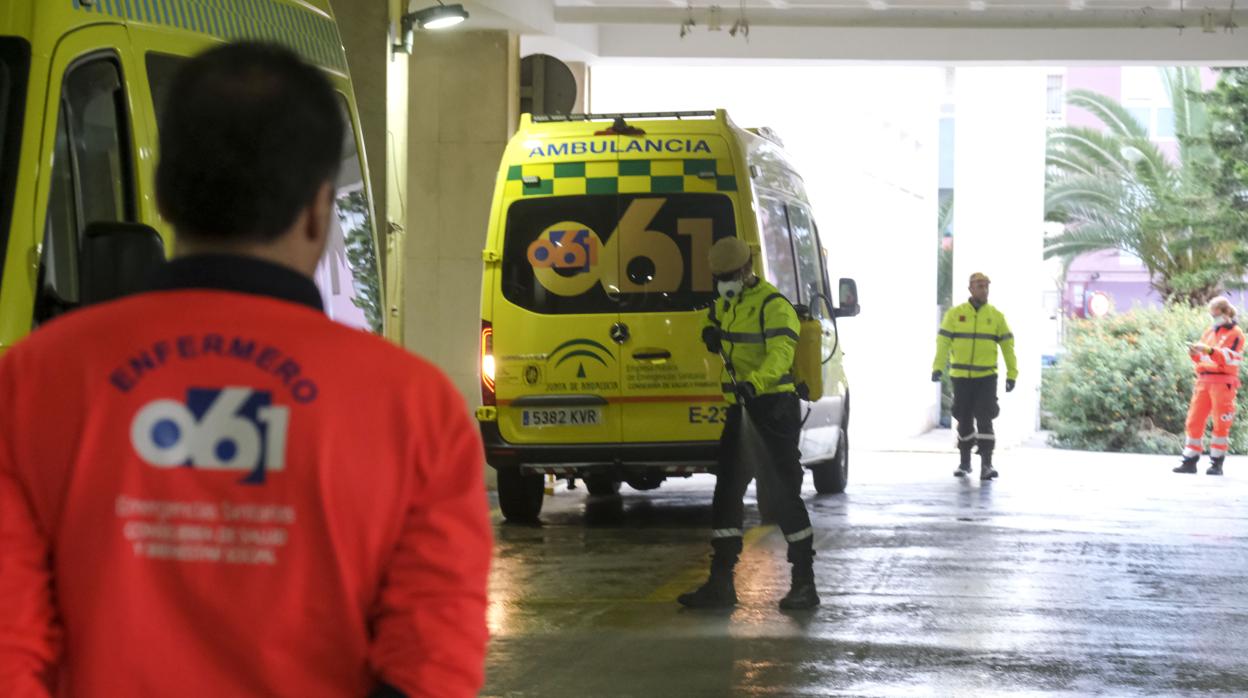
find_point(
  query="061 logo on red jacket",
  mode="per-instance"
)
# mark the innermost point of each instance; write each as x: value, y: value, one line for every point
x: 232, y: 428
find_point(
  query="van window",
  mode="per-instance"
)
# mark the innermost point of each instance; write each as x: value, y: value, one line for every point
x: 608, y: 253
x: 161, y: 67
x: 810, y: 276
x: 91, y: 175
x: 14, y: 63
x: 349, y: 274
x: 773, y: 222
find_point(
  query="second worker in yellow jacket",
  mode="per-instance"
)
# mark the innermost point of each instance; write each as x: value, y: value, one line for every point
x: 968, y: 340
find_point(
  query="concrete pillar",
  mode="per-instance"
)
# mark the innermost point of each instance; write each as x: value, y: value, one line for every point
x: 463, y: 103
x: 999, y: 143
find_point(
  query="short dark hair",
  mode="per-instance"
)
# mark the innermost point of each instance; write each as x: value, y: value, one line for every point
x: 250, y: 134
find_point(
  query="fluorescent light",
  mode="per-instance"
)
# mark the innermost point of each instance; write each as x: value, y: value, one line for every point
x: 440, y: 16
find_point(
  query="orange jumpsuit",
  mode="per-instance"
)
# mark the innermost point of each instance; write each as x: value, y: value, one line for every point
x: 1217, y: 381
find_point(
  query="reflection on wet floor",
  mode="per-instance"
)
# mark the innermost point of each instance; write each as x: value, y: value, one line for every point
x: 1075, y: 574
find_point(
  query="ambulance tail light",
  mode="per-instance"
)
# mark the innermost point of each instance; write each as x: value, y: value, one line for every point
x: 487, y: 363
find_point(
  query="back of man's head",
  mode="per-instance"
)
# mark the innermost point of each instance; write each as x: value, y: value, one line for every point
x: 249, y: 136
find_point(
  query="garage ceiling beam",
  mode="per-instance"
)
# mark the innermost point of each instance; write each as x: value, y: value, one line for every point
x: 935, y: 46
x: 975, y: 14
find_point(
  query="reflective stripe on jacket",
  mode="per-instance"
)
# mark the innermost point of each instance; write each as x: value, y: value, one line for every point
x: 1222, y: 365
x: 968, y: 341
x: 759, y: 333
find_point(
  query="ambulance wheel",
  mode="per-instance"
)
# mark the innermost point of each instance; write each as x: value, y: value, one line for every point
x: 520, y: 495
x: 602, y: 485
x: 832, y: 475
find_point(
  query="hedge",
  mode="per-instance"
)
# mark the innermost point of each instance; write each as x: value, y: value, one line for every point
x: 1124, y: 383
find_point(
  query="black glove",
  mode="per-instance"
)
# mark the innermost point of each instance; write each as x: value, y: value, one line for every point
x: 711, y: 338
x: 746, y: 392
x: 1009, y: 384
x: 935, y: 376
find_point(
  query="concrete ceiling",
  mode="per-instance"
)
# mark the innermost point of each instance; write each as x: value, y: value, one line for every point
x: 910, y: 31
x: 910, y: 13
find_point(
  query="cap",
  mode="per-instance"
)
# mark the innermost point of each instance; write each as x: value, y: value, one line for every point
x: 729, y: 255
x: 977, y: 276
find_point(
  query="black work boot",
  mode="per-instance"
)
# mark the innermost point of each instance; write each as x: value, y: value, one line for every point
x: 986, y: 471
x: 1215, y: 466
x: 719, y: 590
x: 1188, y: 465
x: 802, y: 593
x: 964, y: 467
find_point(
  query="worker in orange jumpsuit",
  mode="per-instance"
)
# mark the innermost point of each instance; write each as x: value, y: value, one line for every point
x: 1217, y: 356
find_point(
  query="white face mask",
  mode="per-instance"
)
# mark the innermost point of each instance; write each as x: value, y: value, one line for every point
x: 1218, y: 319
x: 730, y: 289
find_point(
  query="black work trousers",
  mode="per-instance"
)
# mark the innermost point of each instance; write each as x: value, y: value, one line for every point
x: 975, y: 406
x: 777, y: 420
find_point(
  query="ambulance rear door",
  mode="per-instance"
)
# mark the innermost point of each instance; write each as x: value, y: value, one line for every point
x: 673, y: 206
x: 556, y: 311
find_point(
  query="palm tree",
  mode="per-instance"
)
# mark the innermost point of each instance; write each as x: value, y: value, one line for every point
x: 944, y: 255
x: 1115, y: 189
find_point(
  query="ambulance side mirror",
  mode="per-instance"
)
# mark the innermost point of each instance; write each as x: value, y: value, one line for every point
x: 849, y: 299
x: 117, y: 259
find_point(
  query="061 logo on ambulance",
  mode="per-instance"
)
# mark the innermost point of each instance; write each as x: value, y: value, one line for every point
x: 568, y: 258
x: 233, y: 428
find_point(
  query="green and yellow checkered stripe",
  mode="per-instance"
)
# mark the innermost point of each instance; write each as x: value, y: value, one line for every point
x: 621, y: 177
x: 312, y: 35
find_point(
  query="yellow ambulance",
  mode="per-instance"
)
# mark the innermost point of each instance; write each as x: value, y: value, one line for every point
x: 82, y: 84
x: 597, y: 279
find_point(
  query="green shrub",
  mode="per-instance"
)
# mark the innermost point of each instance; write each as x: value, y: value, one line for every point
x: 1124, y: 383
x: 1048, y: 374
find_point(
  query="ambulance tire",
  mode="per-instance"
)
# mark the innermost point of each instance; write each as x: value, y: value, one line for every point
x: 602, y: 485
x: 831, y: 476
x: 520, y: 495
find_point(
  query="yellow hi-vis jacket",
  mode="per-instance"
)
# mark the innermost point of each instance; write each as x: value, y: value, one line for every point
x: 759, y: 331
x: 968, y: 340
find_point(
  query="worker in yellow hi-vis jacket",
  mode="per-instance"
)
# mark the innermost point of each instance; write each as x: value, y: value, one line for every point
x: 756, y: 330
x: 968, y: 340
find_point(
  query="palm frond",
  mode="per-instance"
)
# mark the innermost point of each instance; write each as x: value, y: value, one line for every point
x: 944, y: 220
x: 1108, y: 111
x: 1089, y: 148
x: 1073, y: 242
x: 1191, y: 116
x: 1058, y: 161
x: 1087, y: 189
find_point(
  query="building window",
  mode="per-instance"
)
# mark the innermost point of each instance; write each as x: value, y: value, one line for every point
x: 1056, y: 97
x: 1165, y: 123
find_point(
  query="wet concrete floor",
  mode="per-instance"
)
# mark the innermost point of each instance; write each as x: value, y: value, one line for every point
x: 1074, y: 574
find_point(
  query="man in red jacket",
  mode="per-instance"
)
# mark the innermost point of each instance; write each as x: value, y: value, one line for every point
x: 211, y: 489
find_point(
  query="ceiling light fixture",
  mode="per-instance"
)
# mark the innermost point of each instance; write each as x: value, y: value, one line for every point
x: 440, y: 16
x: 432, y: 18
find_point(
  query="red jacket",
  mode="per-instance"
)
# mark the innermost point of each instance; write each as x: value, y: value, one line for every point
x: 212, y: 493
x: 1221, y: 365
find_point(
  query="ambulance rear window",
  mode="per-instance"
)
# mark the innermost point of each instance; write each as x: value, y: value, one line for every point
x: 14, y: 60
x: 613, y: 253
